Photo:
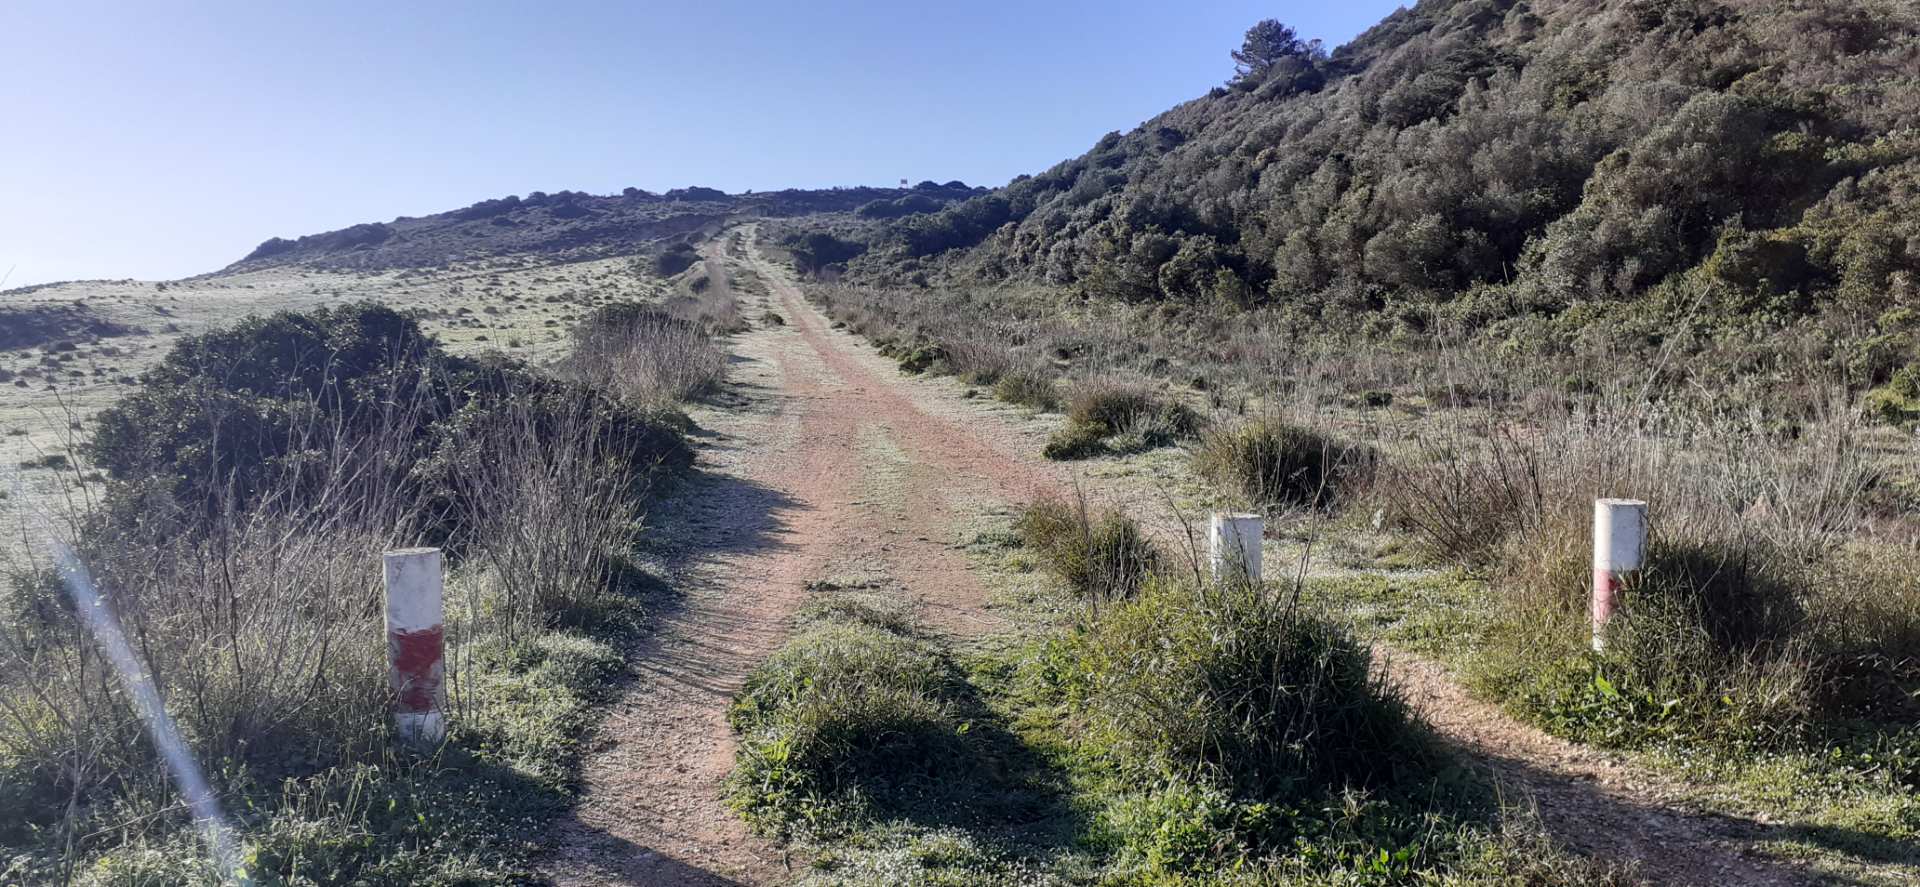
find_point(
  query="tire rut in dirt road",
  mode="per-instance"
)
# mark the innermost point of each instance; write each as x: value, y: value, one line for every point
x: 1592, y: 802
x: 778, y: 504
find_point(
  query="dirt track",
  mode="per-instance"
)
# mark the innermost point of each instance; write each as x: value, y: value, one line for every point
x: 820, y: 466
x: 827, y: 462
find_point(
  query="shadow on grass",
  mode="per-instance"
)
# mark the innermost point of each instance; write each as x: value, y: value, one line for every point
x: 1665, y: 845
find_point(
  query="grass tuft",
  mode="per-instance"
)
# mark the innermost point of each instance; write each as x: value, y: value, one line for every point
x: 1269, y: 463
x: 846, y: 721
x: 1102, y: 556
x: 1028, y: 388
x: 1110, y: 416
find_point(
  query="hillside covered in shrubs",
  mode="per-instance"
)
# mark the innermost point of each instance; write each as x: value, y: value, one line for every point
x: 577, y: 225
x: 1527, y: 172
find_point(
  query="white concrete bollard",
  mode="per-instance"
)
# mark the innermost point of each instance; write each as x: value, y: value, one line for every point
x: 1233, y: 542
x: 416, y: 644
x: 1619, y: 549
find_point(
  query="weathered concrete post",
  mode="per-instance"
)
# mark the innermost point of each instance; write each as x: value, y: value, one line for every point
x: 1234, y: 546
x: 1619, y: 549
x: 416, y: 644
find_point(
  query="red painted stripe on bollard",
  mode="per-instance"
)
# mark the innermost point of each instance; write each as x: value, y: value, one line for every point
x: 417, y: 667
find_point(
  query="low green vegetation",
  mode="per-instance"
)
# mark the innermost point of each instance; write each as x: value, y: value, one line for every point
x: 255, y: 478
x: 856, y: 717
x: 1168, y: 734
x: 1760, y: 619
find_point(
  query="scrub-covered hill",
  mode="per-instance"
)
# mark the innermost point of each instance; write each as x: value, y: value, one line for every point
x: 1489, y: 165
x: 570, y: 223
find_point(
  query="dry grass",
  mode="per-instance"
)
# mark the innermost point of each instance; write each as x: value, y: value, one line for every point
x: 1103, y: 556
x: 651, y: 358
x: 1748, y: 622
x: 261, y: 626
x: 1270, y: 462
x: 553, y: 507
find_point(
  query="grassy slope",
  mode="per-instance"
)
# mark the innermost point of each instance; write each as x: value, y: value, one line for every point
x: 469, y: 814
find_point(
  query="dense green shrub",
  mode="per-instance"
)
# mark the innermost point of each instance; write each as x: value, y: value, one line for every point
x: 1708, y: 647
x: 847, y: 716
x: 917, y: 356
x: 304, y: 406
x: 1898, y: 401
x: 815, y: 253
x: 1270, y: 462
x: 1237, y: 688
x: 675, y: 259
x: 1750, y: 625
x: 1352, y: 193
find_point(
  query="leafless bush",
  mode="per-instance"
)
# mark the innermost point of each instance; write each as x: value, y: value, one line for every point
x: 646, y: 356
x: 262, y: 635
x: 550, y: 506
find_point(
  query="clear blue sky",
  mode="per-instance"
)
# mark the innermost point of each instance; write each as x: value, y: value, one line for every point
x: 160, y: 139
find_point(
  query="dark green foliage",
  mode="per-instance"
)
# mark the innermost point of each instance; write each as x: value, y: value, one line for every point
x: 817, y: 252
x: 356, y: 237
x: 1272, y: 51
x: 675, y: 259
x: 487, y: 209
x: 696, y: 193
x: 1898, y: 401
x: 904, y: 206
x: 916, y: 357
x: 304, y: 405
x: 1270, y: 462
x: 1470, y: 166
x: 1239, y: 688
x: 1102, y: 556
x: 44, y: 324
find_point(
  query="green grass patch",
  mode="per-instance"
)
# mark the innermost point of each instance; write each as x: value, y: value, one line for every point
x: 1179, y: 737
x: 1849, y: 802
x: 469, y: 814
